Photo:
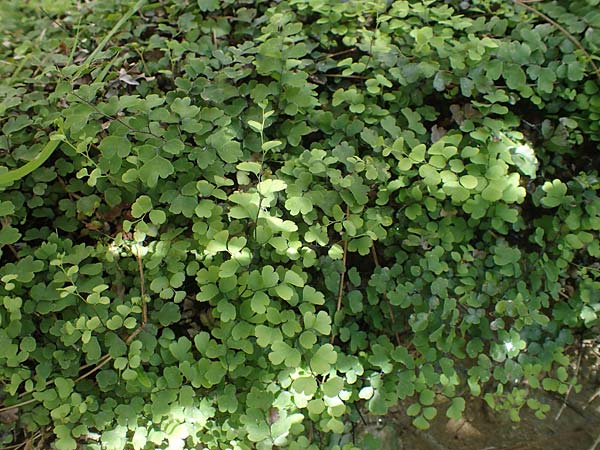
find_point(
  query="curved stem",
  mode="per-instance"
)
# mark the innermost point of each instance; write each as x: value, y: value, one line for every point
x: 569, y: 36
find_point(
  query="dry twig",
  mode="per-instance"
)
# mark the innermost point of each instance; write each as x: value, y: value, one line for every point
x: 342, y: 278
x: 104, y: 360
x: 143, y: 299
x: 18, y: 405
x: 339, y: 75
x: 594, y: 396
x: 341, y: 287
x: 595, y: 444
x: 342, y: 52
x: 577, y: 367
x: 390, y: 310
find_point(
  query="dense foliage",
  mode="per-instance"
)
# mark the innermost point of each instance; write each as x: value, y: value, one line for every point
x: 238, y: 224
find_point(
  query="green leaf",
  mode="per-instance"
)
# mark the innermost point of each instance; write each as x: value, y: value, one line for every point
x: 114, y: 323
x: 248, y: 166
x: 173, y: 146
x: 355, y: 300
x: 426, y: 397
x: 152, y: 170
x: 256, y: 126
x: 15, y: 124
x: 311, y: 295
x: 333, y: 386
x: 421, y: 423
x: 230, y: 152
x: 218, y: 243
x: 414, y: 120
x: 9, y: 235
x: 413, y: 409
x: 271, y: 186
x: 555, y: 193
x: 575, y: 71
x: 430, y: 412
x: 492, y: 193
x: 404, y: 164
x: 546, y: 80
x: 259, y: 302
x: 574, y: 241
x: 293, y: 278
x: 299, y: 205
x: 180, y: 348
x: 514, y: 76
x: 430, y: 175
x: 183, y: 107
x: 307, y: 385
x: 66, y: 443
x: 366, y: 393
x: 506, y: 255
x: 139, y: 438
x: 284, y: 353
x: 226, y: 310
x: 6, y: 208
x: 265, y: 336
x: 168, y: 314
x: 417, y: 154
x: 141, y: 206
x: 294, y: 135
x: 64, y: 387
x: 284, y: 291
x: 456, y: 408
x: 469, y: 181
x: 269, y: 145
x: 525, y: 159
x: 227, y: 401
x: 157, y: 217
x: 321, y: 322
x: 323, y: 359
x: 223, y: 141
x: 115, y: 146
x: 307, y: 339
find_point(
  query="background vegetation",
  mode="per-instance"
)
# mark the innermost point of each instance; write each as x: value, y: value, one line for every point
x: 240, y: 224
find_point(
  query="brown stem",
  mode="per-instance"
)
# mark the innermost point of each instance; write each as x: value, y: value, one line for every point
x: 142, y: 289
x: 72, y: 196
x: 13, y: 251
x: 372, y: 41
x: 143, y: 298
x: 17, y: 405
x: 390, y: 310
x: 595, y: 444
x: 118, y: 119
x: 105, y: 359
x: 343, y: 52
x: 577, y: 367
x: 43, y: 436
x: 594, y: 396
x: 342, y: 277
x: 341, y: 287
x: 375, y: 256
x: 339, y: 75
x: 15, y: 447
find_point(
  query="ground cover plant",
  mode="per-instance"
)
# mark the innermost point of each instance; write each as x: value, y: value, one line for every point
x: 241, y: 224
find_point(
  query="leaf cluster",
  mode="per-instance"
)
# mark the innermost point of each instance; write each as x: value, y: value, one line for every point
x: 322, y: 207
